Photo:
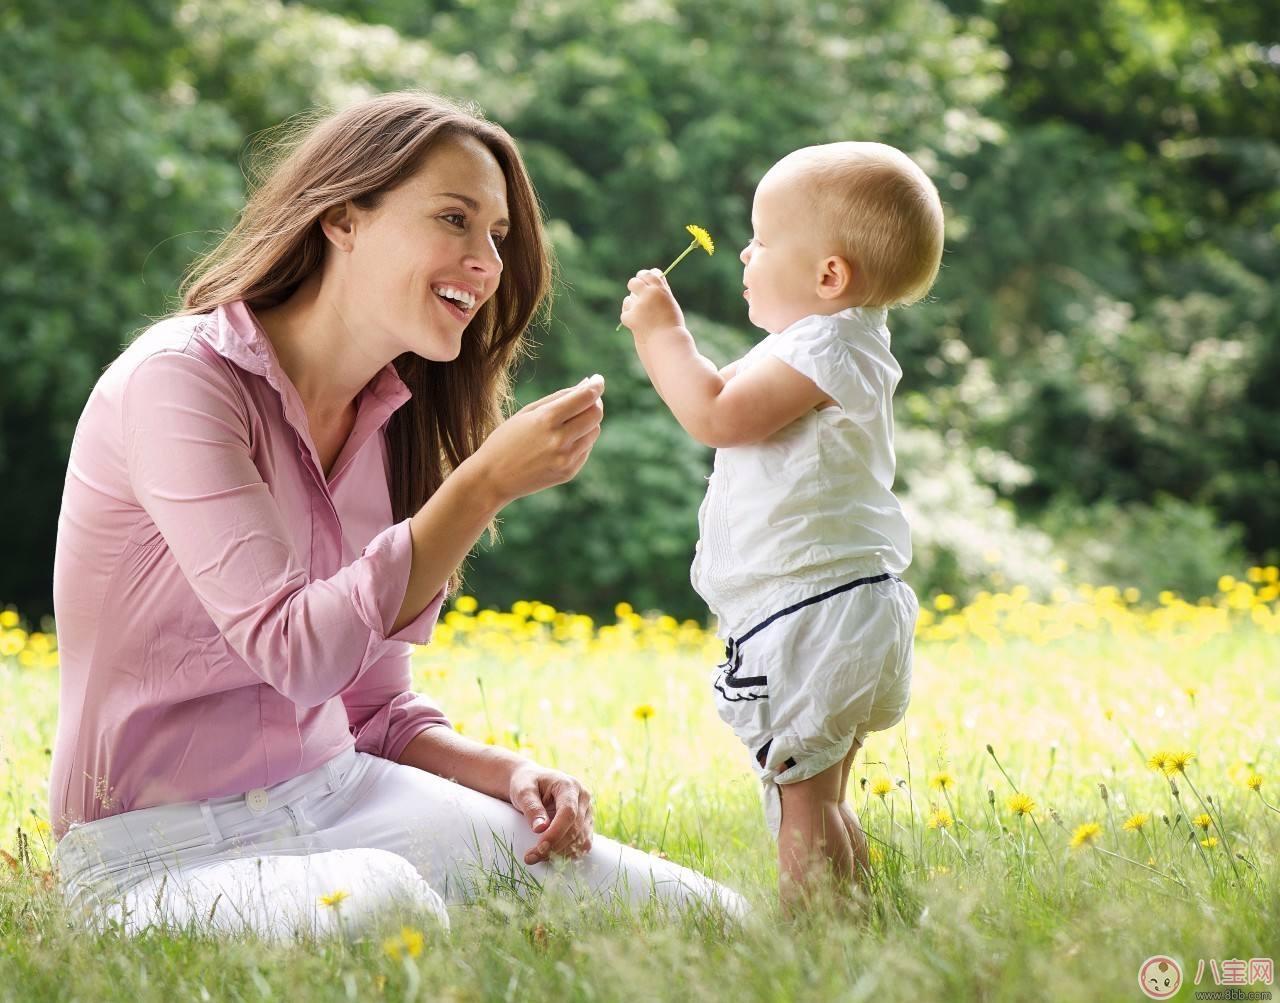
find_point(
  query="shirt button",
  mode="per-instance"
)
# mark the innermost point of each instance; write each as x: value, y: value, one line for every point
x: 256, y: 800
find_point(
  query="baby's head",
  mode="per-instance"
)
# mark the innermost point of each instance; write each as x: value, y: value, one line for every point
x: 840, y: 225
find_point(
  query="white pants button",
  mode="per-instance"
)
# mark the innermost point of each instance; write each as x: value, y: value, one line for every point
x: 256, y: 800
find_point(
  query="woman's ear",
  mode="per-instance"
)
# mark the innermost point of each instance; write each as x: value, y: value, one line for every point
x: 338, y: 224
x: 835, y: 277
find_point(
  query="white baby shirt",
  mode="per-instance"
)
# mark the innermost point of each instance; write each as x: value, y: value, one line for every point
x: 814, y: 501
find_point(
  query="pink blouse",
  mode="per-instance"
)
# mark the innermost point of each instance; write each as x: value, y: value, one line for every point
x: 223, y: 609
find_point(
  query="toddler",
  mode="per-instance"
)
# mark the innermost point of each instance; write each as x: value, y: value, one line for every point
x: 802, y: 540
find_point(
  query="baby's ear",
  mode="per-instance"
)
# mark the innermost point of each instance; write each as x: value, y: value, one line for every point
x: 835, y: 277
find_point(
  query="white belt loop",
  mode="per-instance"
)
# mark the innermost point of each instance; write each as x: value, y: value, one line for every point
x: 210, y: 822
x: 335, y: 778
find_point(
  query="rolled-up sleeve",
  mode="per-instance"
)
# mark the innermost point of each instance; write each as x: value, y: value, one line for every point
x: 385, y: 715
x: 187, y: 439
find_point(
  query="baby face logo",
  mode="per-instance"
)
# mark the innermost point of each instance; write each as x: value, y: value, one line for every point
x: 1160, y: 977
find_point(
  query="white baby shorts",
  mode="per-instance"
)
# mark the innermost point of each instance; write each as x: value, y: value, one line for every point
x: 804, y: 680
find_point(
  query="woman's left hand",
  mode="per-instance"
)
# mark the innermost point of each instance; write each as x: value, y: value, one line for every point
x: 558, y: 808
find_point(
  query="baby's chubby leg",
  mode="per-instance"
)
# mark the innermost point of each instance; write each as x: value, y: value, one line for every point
x: 814, y: 845
x: 857, y: 838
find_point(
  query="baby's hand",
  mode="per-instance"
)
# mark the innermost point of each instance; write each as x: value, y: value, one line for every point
x: 651, y: 306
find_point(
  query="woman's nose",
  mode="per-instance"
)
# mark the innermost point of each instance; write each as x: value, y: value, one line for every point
x: 485, y: 257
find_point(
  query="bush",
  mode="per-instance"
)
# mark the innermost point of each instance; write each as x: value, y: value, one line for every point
x: 1172, y: 544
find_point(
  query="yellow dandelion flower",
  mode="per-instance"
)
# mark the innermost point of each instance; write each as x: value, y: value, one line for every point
x: 623, y: 610
x: 335, y: 898
x: 940, y: 818
x: 643, y: 712
x: 1109, y: 714
x: 1158, y: 761
x: 943, y: 602
x: 1021, y: 804
x: 1176, y: 762
x: 1209, y: 842
x: 1085, y: 834
x: 1135, y: 823
x: 943, y: 781
x: 8, y: 619
x: 1254, y: 781
x: 1202, y: 821
x: 465, y: 604
x: 409, y: 943
x: 702, y: 238
x: 881, y: 786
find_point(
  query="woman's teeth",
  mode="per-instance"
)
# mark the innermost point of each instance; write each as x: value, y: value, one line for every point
x: 461, y: 297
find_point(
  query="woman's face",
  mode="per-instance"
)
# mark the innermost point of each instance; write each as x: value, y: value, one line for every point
x: 422, y: 263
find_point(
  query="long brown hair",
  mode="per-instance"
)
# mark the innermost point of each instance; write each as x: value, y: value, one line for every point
x: 358, y: 155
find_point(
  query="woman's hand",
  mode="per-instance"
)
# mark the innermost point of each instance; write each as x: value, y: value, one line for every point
x: 651, y: 305
x: 544, y: 443
x: 558, y: 809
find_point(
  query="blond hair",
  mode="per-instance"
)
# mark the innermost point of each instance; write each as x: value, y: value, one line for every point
x: 358, y: 155
x: 882, y: 212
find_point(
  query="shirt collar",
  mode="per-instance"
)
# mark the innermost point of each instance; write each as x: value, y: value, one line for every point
x: 238, y: 336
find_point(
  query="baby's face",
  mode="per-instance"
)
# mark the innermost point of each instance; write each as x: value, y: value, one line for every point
x: 783, y: 260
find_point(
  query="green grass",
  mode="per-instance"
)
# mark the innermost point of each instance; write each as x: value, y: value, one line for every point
x: 992, y: 909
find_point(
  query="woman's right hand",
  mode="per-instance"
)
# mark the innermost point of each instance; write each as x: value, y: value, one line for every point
x: 544, y: 443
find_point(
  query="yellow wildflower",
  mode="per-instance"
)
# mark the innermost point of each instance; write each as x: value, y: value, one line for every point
x: 1254, y: 781
x: 643, y: 712
x: 702, y: 238
x: 465, y: 604
x: 943, y: 781
x: 940, y: 818
x: 1021, y: 804
x: 943, y: 602
x: 881, y: 786
x: 1210, y: 842
x: 1134, y: 823
x: 409, y: 942
x: 1176, y: 762
x: 1158, y: 761
x: 1085, y: 834
x: 1202, y: 821
x: 335, y: 898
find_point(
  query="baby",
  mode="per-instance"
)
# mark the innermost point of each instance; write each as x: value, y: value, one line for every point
x: 802, y: 540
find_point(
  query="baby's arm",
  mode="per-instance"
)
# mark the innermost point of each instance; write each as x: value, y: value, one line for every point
x: 715, y: 407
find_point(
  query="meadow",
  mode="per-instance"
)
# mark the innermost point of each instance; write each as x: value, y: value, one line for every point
x: 1081, y: 783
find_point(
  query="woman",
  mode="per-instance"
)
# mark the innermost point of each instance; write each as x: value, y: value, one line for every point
x: 267, y: 498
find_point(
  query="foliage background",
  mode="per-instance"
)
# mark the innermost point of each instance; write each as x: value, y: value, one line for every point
x: 1090, y: 391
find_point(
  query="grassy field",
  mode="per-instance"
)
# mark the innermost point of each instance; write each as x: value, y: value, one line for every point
x: 1078, y: 786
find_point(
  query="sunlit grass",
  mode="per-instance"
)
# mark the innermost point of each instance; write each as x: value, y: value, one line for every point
x: 1080, y: 783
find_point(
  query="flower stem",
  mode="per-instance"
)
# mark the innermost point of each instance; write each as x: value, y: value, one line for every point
x: 680, y: 258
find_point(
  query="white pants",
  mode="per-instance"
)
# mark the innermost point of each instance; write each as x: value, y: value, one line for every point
x: 390, y: 837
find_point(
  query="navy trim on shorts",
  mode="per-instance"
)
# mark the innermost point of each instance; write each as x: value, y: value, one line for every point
x: 733, y: 649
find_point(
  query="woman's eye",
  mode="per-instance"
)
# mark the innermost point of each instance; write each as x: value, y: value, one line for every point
x: 454, y: 218
x: 498, y: 238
